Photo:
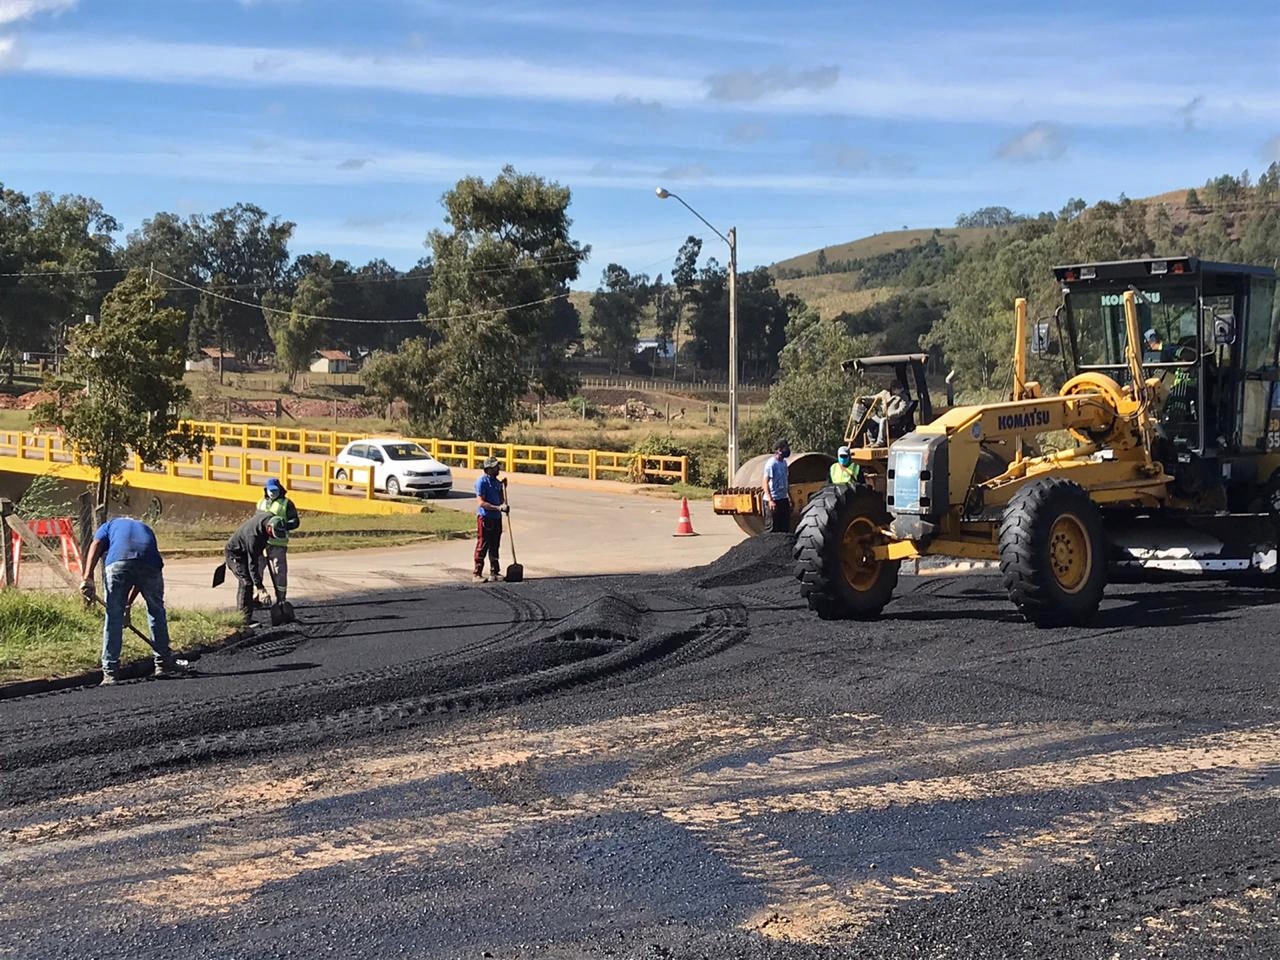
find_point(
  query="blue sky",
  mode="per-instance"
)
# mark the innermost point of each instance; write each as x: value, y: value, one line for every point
x: 803, y: 124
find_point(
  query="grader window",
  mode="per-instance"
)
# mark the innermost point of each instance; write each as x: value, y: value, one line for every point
x: 1167, y: 321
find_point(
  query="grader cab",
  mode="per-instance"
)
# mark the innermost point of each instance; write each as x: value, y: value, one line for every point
x: 1167, y: 452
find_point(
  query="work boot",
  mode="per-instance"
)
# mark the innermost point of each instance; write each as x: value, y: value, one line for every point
x: 479, y: 578
x: 108, y: 679
x: 173, y: 667
x: 496, y: 576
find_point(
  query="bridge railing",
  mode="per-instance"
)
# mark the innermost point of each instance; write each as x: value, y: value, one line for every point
x: 225, y: 474
x: 470, y: 454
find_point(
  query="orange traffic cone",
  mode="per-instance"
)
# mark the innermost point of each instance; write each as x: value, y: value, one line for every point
x: 684, y: 526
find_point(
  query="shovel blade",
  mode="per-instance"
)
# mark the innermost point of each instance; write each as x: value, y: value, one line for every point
x: 515, y: 573
x: 220, y: 575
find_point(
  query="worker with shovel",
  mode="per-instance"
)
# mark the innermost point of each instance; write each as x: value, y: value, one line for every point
x: 244, y: 557
x: 276, y: 502
x: 132, y: 566
x: 491, y: 504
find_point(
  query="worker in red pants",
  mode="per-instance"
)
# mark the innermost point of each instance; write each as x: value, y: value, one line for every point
x: 490, y: 506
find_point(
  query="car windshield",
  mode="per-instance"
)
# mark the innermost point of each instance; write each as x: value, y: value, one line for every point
x: 1166, y: 321
x: 405, y: 451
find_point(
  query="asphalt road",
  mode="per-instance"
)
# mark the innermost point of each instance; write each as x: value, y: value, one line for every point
x: 558, y: 531
x: 686, y: 765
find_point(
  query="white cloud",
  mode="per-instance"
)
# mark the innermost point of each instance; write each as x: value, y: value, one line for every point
x: 342, y: 163
x: 11, y: 11
x: 1040, y: 141
x: 12, y: 53
x: 163, y: 62
x: 920, y: 91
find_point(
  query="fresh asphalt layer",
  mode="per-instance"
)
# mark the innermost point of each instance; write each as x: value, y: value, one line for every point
x: 685, y: 765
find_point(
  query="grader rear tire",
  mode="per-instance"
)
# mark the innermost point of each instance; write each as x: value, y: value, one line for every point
x: 838, y: 577
x: 1053, y: 553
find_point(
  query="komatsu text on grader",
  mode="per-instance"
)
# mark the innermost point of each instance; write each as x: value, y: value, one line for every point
x: 1172, y: 462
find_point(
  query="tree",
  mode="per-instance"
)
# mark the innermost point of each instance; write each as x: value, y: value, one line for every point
x: 209, y: 321
x: 69, y: 244
x: 249, y: 249
x: 989, y: 217
x: 479, y: 402
x: 810, y: 403
x: 121, y: 388
x: 497, y: 276
x: 168, y: 243
x: 685, y: 277
x: 509, y: 245
x: 615, y: 313
x: 298, y: 332
x: 1193, y: 199
x: 15, y: 257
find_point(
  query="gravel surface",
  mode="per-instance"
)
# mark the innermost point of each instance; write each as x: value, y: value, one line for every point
x: 661, y: 767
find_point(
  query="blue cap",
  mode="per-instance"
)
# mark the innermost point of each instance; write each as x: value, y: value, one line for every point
x: 275, y: 486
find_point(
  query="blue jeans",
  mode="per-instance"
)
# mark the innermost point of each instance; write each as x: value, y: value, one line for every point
x: 122, y: 576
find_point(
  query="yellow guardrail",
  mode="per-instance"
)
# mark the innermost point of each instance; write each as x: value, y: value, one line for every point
x: 222, y: 474
x: 471, y: 454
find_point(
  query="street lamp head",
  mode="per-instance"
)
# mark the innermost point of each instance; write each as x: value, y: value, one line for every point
x: 662, y: 193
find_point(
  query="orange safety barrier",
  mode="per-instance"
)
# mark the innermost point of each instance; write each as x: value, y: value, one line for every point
x: 60, y: 528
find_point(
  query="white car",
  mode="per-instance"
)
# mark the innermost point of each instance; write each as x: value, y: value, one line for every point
x: 399, y: 466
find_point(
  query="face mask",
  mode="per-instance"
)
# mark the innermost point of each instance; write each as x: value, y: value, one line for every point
x: 846, y: 460
x: 785, y: 452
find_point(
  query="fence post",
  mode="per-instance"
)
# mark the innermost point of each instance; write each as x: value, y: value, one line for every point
x: 6, y: 540
x: 591, y: 464
x: 708, y: 413
x: 551, y: 461
x: 511, y: 458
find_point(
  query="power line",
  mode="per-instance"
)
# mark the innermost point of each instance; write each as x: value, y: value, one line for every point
x: 311, y: 316
x: 64, y: 273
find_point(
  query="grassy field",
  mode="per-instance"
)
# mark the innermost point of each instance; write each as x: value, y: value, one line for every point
x: 15, y: 419
x: 834, y: 293
x: 322, y: 532
x: 50, y: 635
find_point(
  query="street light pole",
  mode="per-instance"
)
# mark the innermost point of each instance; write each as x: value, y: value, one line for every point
x: 732, y: 241
x: 733, y: 353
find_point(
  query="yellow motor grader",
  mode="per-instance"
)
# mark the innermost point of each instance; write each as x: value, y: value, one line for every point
x: 808, y: 471
x: 1172, y: 411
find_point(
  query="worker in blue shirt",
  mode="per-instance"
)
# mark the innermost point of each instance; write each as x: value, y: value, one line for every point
x: 491, y: 504
x: 132, y: 565
x: 777, y: 495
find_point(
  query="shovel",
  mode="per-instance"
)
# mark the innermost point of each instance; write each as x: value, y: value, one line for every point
x: 220, y: 575
x: 515, y: 570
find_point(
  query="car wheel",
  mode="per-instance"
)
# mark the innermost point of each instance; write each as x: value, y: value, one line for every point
x: 340, y: 475
x: 393, y: 487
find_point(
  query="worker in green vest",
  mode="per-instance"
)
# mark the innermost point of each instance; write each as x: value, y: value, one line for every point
x: 277, y: 503
x: 844, y: 471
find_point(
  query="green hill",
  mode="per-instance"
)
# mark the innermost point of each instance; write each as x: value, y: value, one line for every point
x: 879, y: 244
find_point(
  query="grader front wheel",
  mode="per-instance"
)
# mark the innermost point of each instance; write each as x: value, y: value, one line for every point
x: 1053, y: 553
x: 839, y: 576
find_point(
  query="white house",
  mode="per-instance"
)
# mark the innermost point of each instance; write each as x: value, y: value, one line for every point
x: 331, y: 361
